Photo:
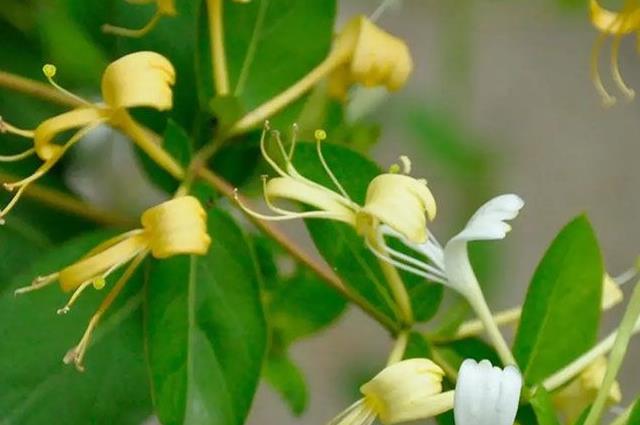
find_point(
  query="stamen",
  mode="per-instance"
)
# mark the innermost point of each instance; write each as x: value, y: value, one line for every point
x: 133, y: 33
x: 11, y: 204
x: 320, y: 135
x: 403, y: 266
x: 615, y: 69
x: 266, y: 156
x: 76, y: 354
x: 294, y: 140
x: 410, y: 260
x: 74, y: 297
x: 38, y: 283
x: 17, y: 157
x: 98, y: 283
x: 5, y: 127
x: 607, y: 99
x: 49, y: 71
x: 406, y: 164
x: 275, y: 135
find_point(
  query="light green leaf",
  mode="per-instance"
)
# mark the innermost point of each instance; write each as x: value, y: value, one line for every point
x: 634, y: 416
x: 36, y: 387
x: 543, y: 408
x: 206, y: 333
x: 285, y: 377
x: 561, y: 313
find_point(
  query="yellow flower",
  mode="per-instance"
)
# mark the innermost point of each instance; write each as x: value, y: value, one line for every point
x: 369, y: 56
x: 572, y: 399
x: 163, y: 8
x: 616, y: 24
x: 405, y: 391
x: 174, y: 227
x: 142, y: 79
x: 398, y: 201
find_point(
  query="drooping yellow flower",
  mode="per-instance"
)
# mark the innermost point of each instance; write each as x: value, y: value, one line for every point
x: 573, y: 398
x: 142, y: 79
x: 405, y: 391
x: 174, y: 227
x: 163, y: 8
x: 369, y: 56
x: 400, y: 202
x: 616, y: 24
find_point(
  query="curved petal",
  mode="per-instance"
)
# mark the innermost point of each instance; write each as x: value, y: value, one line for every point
x: 48, y: 129
x: 488, y: 223
x: 486, y: 395
x: 401, y: 202
x: 608, y: 22
x: 323, y: 199
x: 177, y: 226
x: 139, y: 79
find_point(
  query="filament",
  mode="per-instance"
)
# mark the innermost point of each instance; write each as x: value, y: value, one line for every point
x: 17, y: 157
x: 410, y: 260
x: 74, y: 297
x: 615, y: 69
x: 50, y: 72
x: 294, y: 140
x: 406, y: 267
x: 607, y: 99
x: 11, y: 204
x: 266, y: 156
x: 5, y: 127
x: 133, y: 33
x: 328, y: 170
x: 38, y: 283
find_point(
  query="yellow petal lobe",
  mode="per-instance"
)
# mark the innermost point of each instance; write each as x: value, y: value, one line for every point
x: 373, y: 58
x: 139, y: 79
x: 175, y: 227
x: 401, y: 202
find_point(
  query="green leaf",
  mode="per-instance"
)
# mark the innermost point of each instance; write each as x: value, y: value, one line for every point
x: 634, y: 416
x: 543, y: 408
x: 36, y: 387
x: 561, y: 313
x: 285, y: 377
x: 270, y: 44
x: 303, y: 306
x: 206, y: 333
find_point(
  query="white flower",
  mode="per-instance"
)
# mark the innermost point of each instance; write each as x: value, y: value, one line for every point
x: 451, y: 266
x: 486, y: 395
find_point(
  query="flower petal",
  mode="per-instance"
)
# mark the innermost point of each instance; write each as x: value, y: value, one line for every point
x: 609, y: 22
x: 139, y: 79
x: 488, y: 223
x: 486, y: 395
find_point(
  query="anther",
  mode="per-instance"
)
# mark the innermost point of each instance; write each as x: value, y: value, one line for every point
x: 320, y: 135
x: 49, y: 70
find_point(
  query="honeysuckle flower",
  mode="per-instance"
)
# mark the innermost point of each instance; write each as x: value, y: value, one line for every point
x: 404, y: 391
x: 451, y: 266
x: 163, y: 8
x: 174, y: 227
x: 486, y: 395
x: 398, y: 201
x: 617, y: 25
x: 573, y: 398
x: 369, y: 56
x: 142, y: 79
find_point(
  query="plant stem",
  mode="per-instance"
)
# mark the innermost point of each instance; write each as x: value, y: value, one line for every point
x: 479, y: 304
x: 218, y: 55
x: 625, y: 332
x: 325, y: 273
x: 36, y: 89
x: 275, y: 104
x: 476, y: 327
x: 623, y: 417
x: 66, y: 202
x: 397, y: 352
